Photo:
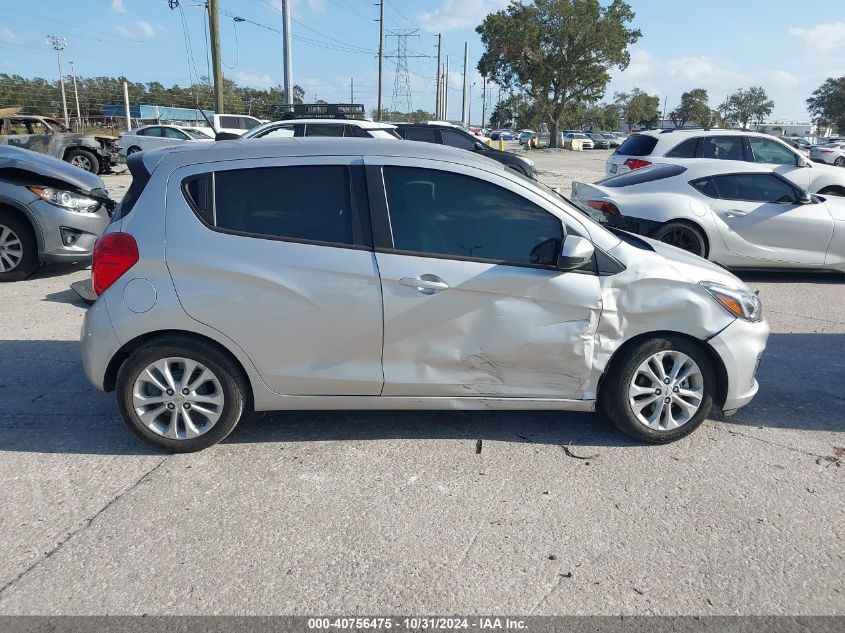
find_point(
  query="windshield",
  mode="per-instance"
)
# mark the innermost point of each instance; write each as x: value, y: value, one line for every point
x: 195, y: 133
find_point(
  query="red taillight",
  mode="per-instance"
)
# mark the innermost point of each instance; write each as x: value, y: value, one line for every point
x: 114, y: 254
x: 636, y: 163
x: 605, y: 207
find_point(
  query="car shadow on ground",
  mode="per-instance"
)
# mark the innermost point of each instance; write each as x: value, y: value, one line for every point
x: 788, y: 277
x: 49, y: 407
x: 50, y: 270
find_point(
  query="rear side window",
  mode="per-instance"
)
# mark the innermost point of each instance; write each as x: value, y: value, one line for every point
x: 638, y: 145
x: 640, y: 176
x: 424, y: 134
x: 684, y: 150
x: 324, y: 129
x: 231, y: 122
x: 309, y: 203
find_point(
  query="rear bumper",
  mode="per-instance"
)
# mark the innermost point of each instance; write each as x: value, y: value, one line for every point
x: 99, y: 344
x: 740, y: 347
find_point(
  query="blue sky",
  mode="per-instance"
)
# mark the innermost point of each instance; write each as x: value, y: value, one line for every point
x: 786, y: 46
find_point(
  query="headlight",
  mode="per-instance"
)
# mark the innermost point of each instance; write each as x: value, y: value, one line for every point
x: 66, y: 199
x: 740, y: 303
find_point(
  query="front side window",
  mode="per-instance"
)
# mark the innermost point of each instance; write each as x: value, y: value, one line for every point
x: 170, y: 132
x: 747, y: 187
x: 309, y: 203
x: 722, y: 147
x: 442, y: 213
x: 767, y: 151
x: 424, y: 134
x: 324, y: 129
x: 453, y: 138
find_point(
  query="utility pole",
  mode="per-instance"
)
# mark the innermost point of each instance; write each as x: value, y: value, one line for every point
x: 286, y: 58
x: 663, y: 118
x: 351, y: 90
x: 126, y: 106
x: 446, y: 92
x: 76, y: 97
x: 464, y: 95
x: 217, y: 70
x: 58, y: 43
x: 380, y: 57
x: 437, y: 95
x: 483, y: 102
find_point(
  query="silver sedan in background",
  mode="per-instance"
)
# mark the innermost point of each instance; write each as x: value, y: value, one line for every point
x: 154, y: 136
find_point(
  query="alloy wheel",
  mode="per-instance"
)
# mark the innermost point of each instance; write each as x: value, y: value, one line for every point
x: 11, y: 250
x: 81, y: 161
x: 178, y: 398
x: 666, y: 391
x: 684, y: 239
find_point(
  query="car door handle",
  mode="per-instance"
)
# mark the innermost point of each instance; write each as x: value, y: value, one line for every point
x: 735, y: 213
x: 426, y: 284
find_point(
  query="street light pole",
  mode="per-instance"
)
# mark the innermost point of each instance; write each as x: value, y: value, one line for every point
x: 58, y: 43
x: 76, y: 98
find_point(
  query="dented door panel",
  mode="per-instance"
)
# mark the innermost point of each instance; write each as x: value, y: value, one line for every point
x: 497, y: 330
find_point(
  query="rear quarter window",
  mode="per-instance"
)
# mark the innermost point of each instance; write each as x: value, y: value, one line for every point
x: 640, y: 176
x: 638, y: 145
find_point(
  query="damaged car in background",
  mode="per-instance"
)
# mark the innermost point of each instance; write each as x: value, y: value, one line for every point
x: 396, y: 276
x: 49, y: 212
x: 94, y: 153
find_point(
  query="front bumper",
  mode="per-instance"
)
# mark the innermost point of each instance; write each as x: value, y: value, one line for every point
x: 740, y: 347
x: 67, y: 235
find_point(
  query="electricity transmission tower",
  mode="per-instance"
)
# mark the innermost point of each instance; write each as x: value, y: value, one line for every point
x: 401, y: 99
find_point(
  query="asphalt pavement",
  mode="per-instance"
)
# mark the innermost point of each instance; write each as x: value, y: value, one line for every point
x: 398, y: 513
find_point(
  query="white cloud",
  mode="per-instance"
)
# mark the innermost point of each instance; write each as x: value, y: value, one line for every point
x: 822, y: 39
x: 254, y: 80
x: 8, y: 35
x: 145, y: 28
x: 118, y: 6
x: 458, y: 14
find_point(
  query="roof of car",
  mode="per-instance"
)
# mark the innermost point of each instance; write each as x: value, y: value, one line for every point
x: 189, y: 153
x: 364, y: 123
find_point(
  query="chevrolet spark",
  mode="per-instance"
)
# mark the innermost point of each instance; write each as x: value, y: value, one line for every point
x: 359, y: 274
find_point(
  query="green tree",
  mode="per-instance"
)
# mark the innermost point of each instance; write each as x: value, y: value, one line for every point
x: 557, y: 51
x: 638, y: 107
x: 692, y: 109
x: 827, y: 104
x: 748, y: 105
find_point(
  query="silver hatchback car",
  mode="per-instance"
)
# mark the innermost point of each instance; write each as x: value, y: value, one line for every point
x: 367, y: 274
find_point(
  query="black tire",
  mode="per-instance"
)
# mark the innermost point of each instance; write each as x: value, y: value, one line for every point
x: 84, y: 159
x: 28, y: 261
x: 234, y: 386
x: 614, y: 401
x: 840, y: 161
x: 133, y: 150
x: 684, y: 235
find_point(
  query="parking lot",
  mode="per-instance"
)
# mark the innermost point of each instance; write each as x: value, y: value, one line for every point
x: 399, y: 512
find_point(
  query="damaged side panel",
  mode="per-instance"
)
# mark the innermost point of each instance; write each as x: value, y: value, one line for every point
x: 497, y: 330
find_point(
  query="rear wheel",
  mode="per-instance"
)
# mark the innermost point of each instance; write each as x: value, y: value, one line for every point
x: 659, y: 390
x: 18, y: 249
x: 132, y: 150
x: 180, y: 395
x: 84, y: 159
x: 685, y: 236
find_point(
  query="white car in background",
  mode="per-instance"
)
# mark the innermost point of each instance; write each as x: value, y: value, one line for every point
x: 654, y: 147
x: 739, y: 215
x: 830, y: 153
x: 586, y: 141
x: 234, y: 123
x: 154, y: 136
x: 358, y: 128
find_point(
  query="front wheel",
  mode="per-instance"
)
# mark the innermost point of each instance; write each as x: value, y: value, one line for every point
x: 84, y: 159
x: 840, y: 161
x: 18, y: 249
x: 684, y: 236
x: 659, y: 390
x: 180, y: 395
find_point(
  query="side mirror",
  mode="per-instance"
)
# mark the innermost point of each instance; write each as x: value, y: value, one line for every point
x: 803, y: 162
x: 804, y: 197
x: 576, y: 252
